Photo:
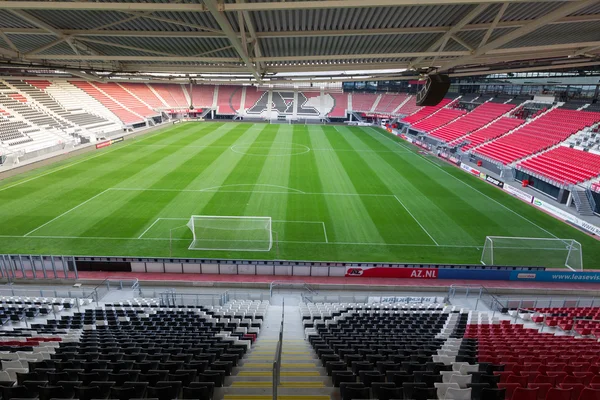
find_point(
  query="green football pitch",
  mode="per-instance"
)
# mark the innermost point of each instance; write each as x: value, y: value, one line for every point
x: 333, y: 193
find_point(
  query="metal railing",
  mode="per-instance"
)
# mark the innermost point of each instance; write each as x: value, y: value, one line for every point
x: 27, y: 266
x: 278, y: 351
x: 481, y: 293
x: 495, y: 303
x: 171, y: 298
x: 300, y: 285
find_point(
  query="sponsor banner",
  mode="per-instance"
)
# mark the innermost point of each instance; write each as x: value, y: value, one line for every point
x: 558, y: 276
x: 109, y: 142
x: 405, y: 300
x: 493, y: 180
x: 566, y: 216
x: 403, y: 136
x: 470, y: 169
x: 390, y: 272
x: 177, y: 121
x: 444, y: 155
x: 518, y: 193
x: 476, y: 274
x: 103, y: 144
x: 454, y: 160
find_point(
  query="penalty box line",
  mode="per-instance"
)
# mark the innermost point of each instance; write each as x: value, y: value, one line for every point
x: 274, y: 220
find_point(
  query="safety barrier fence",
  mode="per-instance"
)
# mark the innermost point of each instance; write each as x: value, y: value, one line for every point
x: 278, y: 351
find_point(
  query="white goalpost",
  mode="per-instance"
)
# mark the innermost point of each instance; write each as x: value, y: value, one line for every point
x: 524, y: 251
x: 230, y: 233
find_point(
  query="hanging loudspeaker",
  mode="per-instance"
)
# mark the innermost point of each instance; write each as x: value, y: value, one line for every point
x: 434, y: 90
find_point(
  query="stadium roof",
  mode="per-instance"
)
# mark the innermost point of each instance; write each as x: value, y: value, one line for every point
x: 256, y: 40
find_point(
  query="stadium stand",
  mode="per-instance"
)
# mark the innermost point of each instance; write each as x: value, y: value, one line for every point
x: 564, y: 164
x: 547, y: 130
x: 172, y: 94
x: 479, y: 117
x: 409, y: 107
x: 77, y: 101
x: 202, y: 96
x: 390, y: 102
x: 340, y: 106
x: 37, y: 90
x: 124, y: 351
x: 494, y: 130
x: 143, y: 92
x: 126, y: 99
x: 424, y: 112
x: 229, y: 99
x: 439, y: 119
x: 252, y: 96
x: 363, y: 102
x: 125, y: 115
x: 583, y: 320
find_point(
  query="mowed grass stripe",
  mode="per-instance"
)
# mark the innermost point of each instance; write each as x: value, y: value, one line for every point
x: 102, y: 211
x: 246, y: 172
x: 394, y: 223
x: 275, y: 171
x: 209, y: 169
x: 304, y: 175
x: 67, y: 178
x: 480, y: 216
x: 427, y: 208
x: 142, y: 207
x: 50, y: 196
x: 350, y: 219
x: 70, y: 162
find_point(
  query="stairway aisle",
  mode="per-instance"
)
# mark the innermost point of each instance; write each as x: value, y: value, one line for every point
x: 302, y: 375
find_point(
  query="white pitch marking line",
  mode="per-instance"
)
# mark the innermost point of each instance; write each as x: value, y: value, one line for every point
x: 68, y: 211
x: 465, y: 183
x: 325, y: 232
x: 143, y: 233
x: 417, y: 221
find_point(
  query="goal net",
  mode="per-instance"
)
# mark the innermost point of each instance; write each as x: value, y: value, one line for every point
x: 230, y: 233
x: 527, y: 252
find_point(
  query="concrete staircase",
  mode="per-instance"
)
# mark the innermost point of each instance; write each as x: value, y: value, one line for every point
x: 582, y: 202
x: 302, y: 375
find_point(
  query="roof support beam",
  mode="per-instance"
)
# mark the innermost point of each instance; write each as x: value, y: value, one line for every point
x: 440, y: 43
x: 462, y: 43
x: 231, y: 35
x: 8, y: 41
x: 47, y: 46
x: 563, y: 11
x: 100, y: 57
x: 488, y: 33
x: 121, y: 46
x: 259, y: 6
x: 253, y: 36
x: 266, y: 35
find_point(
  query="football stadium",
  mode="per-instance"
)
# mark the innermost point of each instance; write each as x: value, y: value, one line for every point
x: 300, y: 199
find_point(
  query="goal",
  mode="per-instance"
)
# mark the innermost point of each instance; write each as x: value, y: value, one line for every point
x: 229, y: 233
x: 541, y: 252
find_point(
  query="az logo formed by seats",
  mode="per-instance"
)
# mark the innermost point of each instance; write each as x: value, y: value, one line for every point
x: 283, y: 103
